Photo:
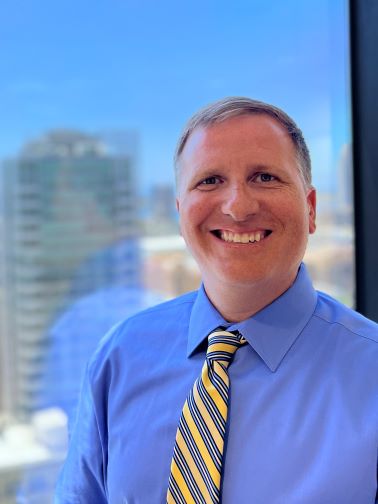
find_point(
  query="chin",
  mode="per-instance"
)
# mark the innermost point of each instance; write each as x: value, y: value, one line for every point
x: 245, y: 276
x: 241, y: 277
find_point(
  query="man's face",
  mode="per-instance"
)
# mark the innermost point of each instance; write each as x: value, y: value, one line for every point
x: 245, y: 213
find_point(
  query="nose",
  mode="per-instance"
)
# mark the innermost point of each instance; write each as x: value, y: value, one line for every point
x: 239, y: 203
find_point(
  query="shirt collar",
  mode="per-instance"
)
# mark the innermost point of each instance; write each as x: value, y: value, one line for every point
x: 271, y: 332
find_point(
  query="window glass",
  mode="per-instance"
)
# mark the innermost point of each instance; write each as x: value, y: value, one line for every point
x: 94, y: 97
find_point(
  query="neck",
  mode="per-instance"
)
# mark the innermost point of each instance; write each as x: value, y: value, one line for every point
x: 237, y: 302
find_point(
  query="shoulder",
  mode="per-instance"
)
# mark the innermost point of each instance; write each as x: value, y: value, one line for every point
x: 155, y: 324
x: 343, y: 319
x: 175, y: 308
x: 170, y: 315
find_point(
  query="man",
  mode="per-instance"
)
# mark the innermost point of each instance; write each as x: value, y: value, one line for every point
x: 284, y: 409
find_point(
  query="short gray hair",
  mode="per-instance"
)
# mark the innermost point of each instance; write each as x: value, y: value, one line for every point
x: 235, y: 106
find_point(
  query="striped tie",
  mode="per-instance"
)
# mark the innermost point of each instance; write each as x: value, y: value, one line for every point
x: 197, y: 457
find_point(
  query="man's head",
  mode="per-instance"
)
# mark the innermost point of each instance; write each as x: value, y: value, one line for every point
x: 245, y: 199
x: 227, y: 108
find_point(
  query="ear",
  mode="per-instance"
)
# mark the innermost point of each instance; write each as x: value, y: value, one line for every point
x: 311, y: 203
x: 178, y: 210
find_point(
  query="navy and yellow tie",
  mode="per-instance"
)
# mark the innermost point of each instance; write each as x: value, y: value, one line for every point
x: 197, y: 457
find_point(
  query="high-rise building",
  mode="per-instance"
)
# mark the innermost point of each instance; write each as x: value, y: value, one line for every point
x: 69, y: 228
x: 344, y: 199
x: 162, y: 218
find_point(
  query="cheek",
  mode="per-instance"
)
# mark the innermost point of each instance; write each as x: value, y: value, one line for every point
x: 194, y: 212
x: 188, y: 216
x: 296, y: 205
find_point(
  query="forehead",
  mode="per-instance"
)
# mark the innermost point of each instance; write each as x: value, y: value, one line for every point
x: 254, y: 135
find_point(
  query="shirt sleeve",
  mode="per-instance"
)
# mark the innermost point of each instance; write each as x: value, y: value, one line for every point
x: 83, y: 477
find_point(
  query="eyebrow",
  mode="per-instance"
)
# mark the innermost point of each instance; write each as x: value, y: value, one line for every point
x: 219, y: 170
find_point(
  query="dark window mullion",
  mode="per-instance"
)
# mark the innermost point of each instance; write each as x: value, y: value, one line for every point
x: 364, y: 69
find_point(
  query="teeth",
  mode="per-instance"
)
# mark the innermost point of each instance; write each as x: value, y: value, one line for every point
x: 228, y: 236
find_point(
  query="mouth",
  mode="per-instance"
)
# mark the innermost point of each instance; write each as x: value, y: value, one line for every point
x: 231, y: 237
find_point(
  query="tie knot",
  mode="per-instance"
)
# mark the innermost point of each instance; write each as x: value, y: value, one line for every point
x: 222, y: 345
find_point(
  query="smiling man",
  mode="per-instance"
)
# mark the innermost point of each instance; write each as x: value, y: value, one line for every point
x: 245, y: 210
x: 256, y: 389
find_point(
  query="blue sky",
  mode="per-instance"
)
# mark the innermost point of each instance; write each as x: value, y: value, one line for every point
x: 147, y: 66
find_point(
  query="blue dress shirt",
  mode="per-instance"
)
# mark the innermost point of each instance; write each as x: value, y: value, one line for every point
x: 303, y: 412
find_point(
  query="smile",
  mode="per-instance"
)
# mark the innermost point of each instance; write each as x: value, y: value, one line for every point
x: 231, y: 237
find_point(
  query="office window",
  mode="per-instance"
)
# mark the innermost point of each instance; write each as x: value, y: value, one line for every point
x: 94, y: 98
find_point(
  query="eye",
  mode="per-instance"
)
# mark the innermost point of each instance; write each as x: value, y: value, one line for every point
x: 210, y: 181
x: 265, y: 177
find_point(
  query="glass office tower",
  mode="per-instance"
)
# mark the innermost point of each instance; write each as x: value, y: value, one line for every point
x: 69, y: 229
